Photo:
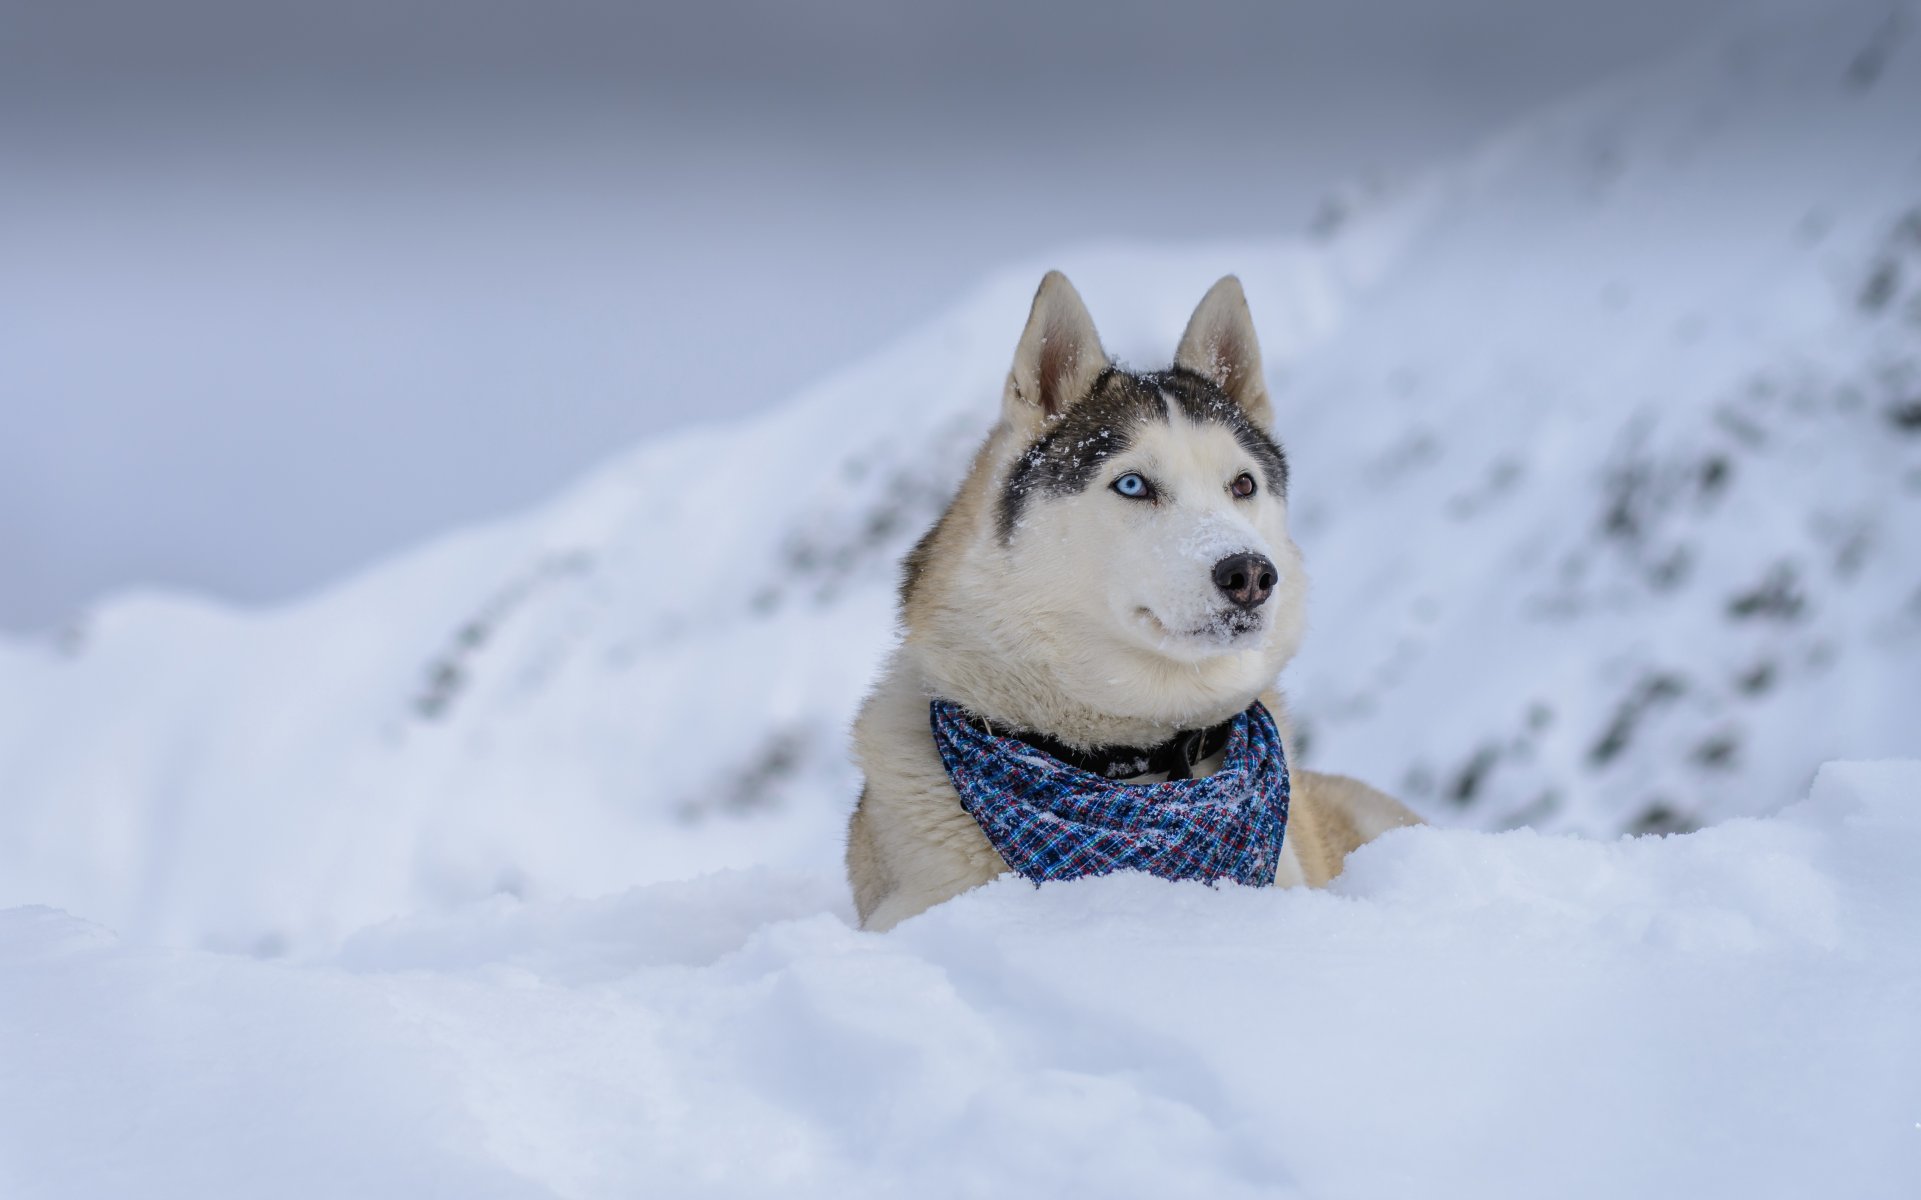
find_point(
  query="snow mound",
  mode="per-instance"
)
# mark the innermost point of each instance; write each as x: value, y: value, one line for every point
x: 1607, y: 463
x: 1725, y: 1013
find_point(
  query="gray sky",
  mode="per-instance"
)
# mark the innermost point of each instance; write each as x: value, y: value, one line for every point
x: 287, y: 288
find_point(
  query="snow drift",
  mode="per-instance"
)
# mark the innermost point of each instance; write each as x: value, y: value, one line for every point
x: 1728, y: 1013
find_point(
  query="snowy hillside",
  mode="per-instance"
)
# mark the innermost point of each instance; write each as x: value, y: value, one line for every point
x: 1614, y: 483
x: 1607, y: 451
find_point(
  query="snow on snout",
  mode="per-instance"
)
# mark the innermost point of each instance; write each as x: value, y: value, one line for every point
x: 1214, y: 534
x: 1185, y: 598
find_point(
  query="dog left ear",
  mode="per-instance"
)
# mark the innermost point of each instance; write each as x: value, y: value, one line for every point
x: 1220, y: 345
x: 1058, y: 359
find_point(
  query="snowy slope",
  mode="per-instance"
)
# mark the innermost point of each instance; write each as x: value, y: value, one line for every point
x: 1607, y: 462
x: 1624, y: 521
x: 1729, y: 1013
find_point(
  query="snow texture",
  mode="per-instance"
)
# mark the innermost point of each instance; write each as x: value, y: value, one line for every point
x: 510, y: 867
x: 1727, y: 1013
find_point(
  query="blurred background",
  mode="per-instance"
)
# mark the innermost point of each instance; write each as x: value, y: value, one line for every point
x: 287, y: 288
x: 460, y: 453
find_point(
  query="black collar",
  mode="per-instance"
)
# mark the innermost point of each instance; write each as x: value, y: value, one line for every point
x: 1176, y: 757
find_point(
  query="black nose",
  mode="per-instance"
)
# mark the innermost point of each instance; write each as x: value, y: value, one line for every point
x: 1248, y: 579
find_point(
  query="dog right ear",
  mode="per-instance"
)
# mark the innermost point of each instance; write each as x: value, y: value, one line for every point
x: 1220, y: 345
x: 1058, y: 359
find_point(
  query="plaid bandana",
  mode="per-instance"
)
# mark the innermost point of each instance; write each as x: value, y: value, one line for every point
x: 1050, y: 820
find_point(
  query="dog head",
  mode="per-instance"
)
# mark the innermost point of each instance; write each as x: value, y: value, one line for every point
x: 1127, y: 562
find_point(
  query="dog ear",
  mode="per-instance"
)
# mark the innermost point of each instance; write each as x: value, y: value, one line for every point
x: 1059, y: 356
x: 1220, y: 344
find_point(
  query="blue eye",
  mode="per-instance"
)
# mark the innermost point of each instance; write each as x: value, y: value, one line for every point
x: 1133, y: 485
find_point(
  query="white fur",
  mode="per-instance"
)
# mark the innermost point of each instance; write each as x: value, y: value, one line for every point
x: 1098, y: 622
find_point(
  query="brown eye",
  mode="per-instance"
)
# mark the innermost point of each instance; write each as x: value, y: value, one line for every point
x: 1243, y: 486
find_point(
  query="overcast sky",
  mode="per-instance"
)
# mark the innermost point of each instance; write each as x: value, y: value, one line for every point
x: 284, y: 289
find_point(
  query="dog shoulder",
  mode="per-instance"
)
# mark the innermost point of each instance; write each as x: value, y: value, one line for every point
x: 1331, y: 816
x: 910, y: 843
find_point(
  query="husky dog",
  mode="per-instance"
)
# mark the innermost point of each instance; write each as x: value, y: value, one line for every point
x: 1115, y: 570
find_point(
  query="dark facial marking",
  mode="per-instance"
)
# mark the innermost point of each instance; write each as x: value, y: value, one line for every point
x: 1073, y: 448
x: 1201, y: 400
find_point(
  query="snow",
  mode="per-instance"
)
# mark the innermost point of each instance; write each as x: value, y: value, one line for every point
x: 1729, y: 1012
x: 511, y: 866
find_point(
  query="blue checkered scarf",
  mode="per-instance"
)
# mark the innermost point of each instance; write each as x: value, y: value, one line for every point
x: 1050, y: 820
